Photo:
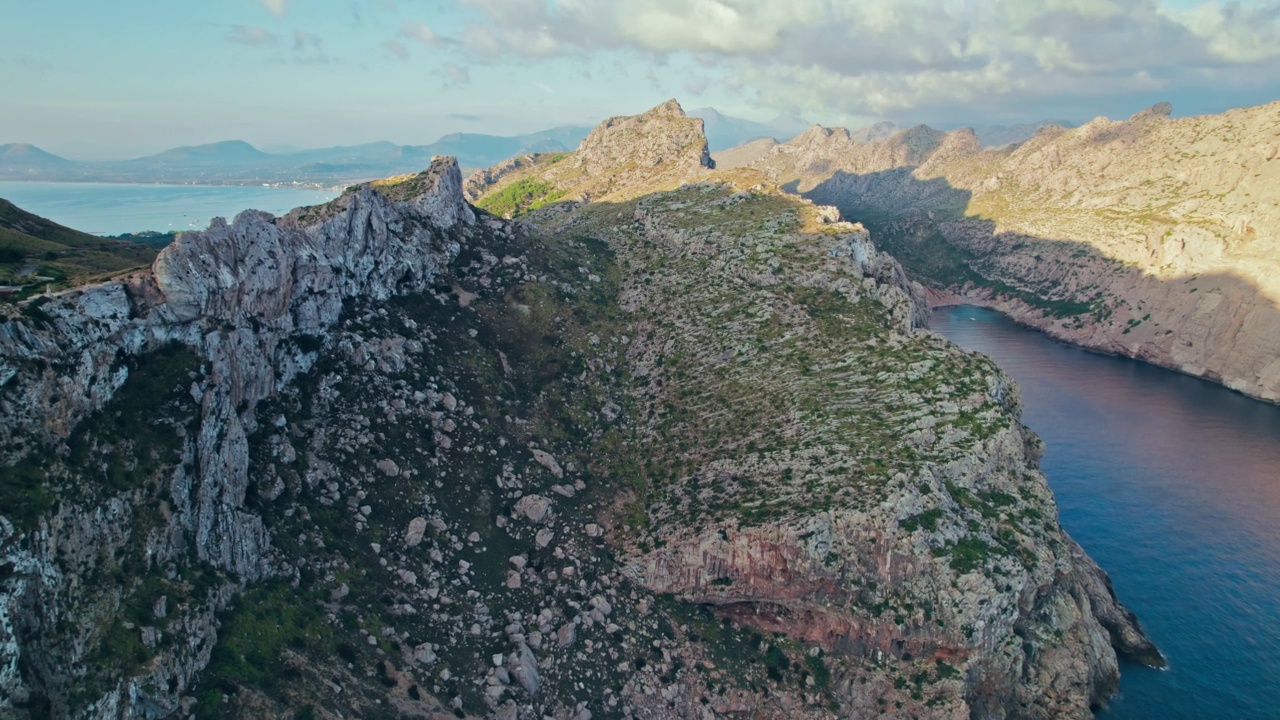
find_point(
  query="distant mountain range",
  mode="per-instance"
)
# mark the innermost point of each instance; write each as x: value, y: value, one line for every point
x: 994, y: 136
x: 235, y: 162
x: 989, y: 136
x: 724, y: 131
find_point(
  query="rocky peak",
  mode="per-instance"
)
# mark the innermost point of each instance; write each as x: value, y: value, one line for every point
x: 1159, y: 111
x: 234, y: 313
x: 819, y: 134
x: 663, y: 135
x: 919, y: 142
x: 821, y: 152
x: 234, y: 294
x: 670, y: 108
x: 621, y: 158
x: 874, y: 133
x: 708, y: 113
x: 263, y: 267
x: 952, y: 146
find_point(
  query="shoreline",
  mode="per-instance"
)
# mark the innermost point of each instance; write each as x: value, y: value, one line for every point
x: 1026, y: 316
x: 269, y: 185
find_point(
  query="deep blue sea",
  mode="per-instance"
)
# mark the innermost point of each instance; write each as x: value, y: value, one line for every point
x: 115, y: 208
x: 1173, y: 485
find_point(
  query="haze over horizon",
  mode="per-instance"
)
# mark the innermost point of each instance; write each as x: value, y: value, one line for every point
x: 94, y: 80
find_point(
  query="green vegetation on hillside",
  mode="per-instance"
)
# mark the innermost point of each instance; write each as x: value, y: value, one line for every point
x: 38, y: 254
x: 519, y: 196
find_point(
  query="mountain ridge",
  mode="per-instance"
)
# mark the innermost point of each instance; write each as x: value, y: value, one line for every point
x: 238, y: 162
x: 678, y: 222
x: 1096, y: 234
x: 674, y: 442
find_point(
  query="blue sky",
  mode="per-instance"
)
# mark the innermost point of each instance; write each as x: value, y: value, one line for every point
x: 89, y: 78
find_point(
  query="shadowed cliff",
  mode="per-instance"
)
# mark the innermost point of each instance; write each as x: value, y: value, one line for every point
x: 1216, y: 325
x: 1118, y: 224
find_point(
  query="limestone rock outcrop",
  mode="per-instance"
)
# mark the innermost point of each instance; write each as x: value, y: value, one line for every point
x: 244, y: 297
x: 620, y: 158
x: 660, y: 136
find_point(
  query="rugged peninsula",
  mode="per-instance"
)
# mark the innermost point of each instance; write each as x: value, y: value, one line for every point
x: 666, y: 442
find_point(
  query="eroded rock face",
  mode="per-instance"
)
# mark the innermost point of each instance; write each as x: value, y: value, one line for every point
x: 239, y: 295
x: 953, y: 558
x: 1152, y: 237
x: 662, y: 135
x: 1050, y: 618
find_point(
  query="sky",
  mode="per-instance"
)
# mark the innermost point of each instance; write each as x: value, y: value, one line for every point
x: 93, y: 79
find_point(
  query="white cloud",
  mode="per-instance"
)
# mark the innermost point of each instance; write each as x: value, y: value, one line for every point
x: 481, y: 40
x: 880, y: 56
x: 1235, y: 32
x: 420, y: 33
x: 709, y: 25
x: 878, y: 93
x: 251, y: 36
x: 275, y: 7
x: 457, y: 74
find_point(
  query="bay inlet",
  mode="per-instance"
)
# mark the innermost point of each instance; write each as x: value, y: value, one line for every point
x: 116, y: 208
x: 1172, y: 484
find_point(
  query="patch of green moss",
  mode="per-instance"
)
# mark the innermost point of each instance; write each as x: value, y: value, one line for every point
x: 927, y: 520
x: 967, y: 554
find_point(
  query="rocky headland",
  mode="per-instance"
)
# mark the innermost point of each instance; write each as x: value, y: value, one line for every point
x: 668, y: 443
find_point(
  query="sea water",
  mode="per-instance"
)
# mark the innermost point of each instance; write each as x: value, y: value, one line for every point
x: 1173, y: 485
x: 115, y: 208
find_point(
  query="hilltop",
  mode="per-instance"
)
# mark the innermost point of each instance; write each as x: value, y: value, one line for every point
x: 622, y: 156
x: 30, y: 156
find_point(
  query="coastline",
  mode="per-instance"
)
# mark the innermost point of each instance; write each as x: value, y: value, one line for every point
x: 333, y: 187
x: 1027, y: 316
x: 110, y: 209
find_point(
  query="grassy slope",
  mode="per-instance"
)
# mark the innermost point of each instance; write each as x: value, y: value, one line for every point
x: 69, y: 256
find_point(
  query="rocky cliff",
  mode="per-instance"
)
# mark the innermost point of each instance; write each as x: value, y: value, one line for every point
x: 128, y: 407
x: 1150, y: 237
x: 815, y: 465
x: 687, y: 452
